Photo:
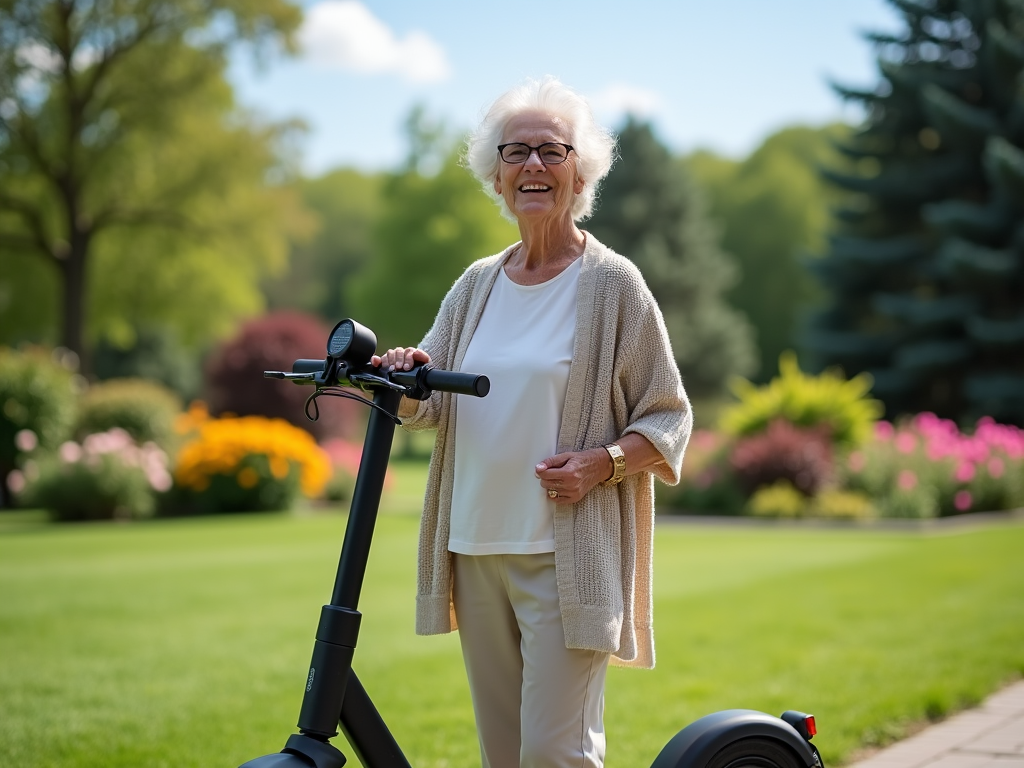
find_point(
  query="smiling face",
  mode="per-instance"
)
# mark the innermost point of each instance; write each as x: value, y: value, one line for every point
x: 533, y: 190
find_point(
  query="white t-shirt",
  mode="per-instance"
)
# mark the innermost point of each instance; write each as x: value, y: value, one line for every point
x: 523, y: 343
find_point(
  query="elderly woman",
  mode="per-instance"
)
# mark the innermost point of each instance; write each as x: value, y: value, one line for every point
x: 536, y: 536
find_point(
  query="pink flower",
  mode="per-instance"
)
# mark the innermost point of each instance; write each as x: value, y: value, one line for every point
x: 995, y: 467
x: 963, y: 500
x: 906, y: 442
x: 159, y: 479
x: 70, y: 452
x: 883, y: 430
x: 964, y: 472
x: 25, y: 440
x: 907, y: 480
x: 16, y: 481
x: 857, y: 462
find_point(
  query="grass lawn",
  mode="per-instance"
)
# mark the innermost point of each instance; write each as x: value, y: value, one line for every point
x: 186, y: 642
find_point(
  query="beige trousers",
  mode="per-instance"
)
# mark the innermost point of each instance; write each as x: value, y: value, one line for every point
x: 537, y: 703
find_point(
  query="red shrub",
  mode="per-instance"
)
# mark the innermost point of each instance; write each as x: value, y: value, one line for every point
x: 234, y: 374
x: 801, y: 455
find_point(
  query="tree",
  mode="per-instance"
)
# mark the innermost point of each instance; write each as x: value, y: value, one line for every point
x: 651, y: 212
x: 774, y: 210
x: 119, y: 142
x: 925, y: 274
x: 431, y: 228
x: 346, y: 204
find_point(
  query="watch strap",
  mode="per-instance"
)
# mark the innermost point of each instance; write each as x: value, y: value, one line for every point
x: 618, y: 464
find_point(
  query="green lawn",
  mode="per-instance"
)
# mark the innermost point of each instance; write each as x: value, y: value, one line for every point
x: 186, y: 642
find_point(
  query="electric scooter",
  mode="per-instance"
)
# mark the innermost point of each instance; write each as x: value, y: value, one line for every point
x: 735, y: 738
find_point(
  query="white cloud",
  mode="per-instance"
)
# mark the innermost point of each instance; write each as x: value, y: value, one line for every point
x: 345, y: 34
x: 618, y: 99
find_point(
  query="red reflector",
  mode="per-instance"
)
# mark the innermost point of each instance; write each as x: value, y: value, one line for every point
x: 812, y: 729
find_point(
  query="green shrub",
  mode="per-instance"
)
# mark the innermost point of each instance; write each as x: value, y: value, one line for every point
x: 827, y: 400
x: 917, y: 503
x: 780, y: 499
x: 144, y: 409
x: 836, y: 504
x: 105, y: 477
x: 38, y: 391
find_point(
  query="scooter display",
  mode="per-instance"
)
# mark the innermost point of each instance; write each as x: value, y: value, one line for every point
x: 333, y: 695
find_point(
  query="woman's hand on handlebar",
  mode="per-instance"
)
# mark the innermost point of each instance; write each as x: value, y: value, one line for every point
x: 400, y: 358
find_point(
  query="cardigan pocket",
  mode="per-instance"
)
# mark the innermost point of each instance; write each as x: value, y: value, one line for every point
x: 598, y: 539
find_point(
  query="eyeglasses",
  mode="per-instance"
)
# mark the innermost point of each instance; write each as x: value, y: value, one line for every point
x: 550, y: 153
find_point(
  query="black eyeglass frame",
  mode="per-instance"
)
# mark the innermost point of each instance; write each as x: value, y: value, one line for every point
x: 568, y: 148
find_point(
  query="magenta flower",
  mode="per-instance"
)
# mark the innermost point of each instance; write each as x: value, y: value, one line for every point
x: 906, y: 442
x: 883, y: 430
x: 963, y: 500
x: 964, y: 472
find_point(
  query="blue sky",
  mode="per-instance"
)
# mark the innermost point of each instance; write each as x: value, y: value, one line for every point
x: 719, y: 74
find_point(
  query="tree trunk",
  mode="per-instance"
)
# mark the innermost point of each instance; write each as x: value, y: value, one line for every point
x: 73, y: 274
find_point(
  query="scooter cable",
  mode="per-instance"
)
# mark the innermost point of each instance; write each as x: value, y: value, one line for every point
x: 338, y: 392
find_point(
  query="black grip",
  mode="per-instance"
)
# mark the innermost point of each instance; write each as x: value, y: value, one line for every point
x: 474, y: 384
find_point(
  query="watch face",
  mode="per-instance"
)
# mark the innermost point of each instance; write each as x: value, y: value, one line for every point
x: 340, y: 338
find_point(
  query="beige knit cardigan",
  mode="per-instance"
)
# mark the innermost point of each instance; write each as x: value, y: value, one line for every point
x: 623, y: 378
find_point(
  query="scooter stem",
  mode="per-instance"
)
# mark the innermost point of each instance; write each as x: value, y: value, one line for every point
x: 339, y: 621
x: 365, y: 501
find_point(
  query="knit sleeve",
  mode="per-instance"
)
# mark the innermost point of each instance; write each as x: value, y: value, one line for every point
x: 657, y: 405
x: 438, y: 343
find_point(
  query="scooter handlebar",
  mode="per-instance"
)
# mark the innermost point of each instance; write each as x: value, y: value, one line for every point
x: 472, y: 384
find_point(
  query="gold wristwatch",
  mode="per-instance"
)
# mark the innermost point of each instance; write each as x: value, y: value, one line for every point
x: 618, y: 463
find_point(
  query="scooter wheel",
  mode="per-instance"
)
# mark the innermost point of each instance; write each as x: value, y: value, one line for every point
x: 755, y: 753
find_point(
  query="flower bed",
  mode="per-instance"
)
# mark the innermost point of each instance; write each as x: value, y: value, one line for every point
x: 250, y: 463
x: 920, y: 467
x: 106, y: 476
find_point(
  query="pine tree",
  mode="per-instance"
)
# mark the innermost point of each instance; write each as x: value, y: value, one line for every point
x: 926, y: 274
x: 651, y: 212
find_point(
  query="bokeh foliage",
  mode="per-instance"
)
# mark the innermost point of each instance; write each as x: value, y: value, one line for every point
x: 651, y: 212
x: 773, y: 210
x: 127, y: 173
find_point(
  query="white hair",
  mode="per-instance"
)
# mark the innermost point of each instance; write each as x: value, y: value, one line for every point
x: 593, y: 145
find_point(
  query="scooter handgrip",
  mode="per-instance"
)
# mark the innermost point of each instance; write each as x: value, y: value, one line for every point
x: 473, y: 384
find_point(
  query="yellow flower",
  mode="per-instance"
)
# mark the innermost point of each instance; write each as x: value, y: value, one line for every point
x: 247, y: 477
x: 220, y: 446
x: 279, y: 467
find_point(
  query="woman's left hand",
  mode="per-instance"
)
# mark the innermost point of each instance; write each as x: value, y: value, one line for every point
x: 572, y: 475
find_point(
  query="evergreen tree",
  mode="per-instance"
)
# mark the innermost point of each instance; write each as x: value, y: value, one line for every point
x: 651, y: 212
x: 926, y: 272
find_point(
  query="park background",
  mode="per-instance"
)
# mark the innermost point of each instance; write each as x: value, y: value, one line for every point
x: 824, y: 198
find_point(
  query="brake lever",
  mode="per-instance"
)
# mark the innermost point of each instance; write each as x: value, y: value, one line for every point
x: 290, y: 376
x: 369, y: 378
